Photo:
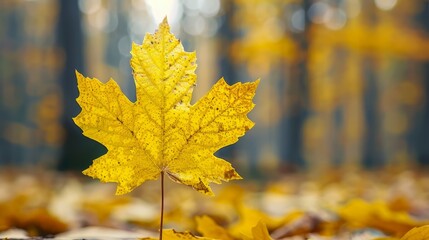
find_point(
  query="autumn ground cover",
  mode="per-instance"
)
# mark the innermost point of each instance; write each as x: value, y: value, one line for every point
x: 362, y: 205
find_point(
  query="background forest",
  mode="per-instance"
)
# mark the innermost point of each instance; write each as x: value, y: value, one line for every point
x: 343, y: 81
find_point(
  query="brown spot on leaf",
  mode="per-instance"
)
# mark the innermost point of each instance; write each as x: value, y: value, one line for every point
x: 201, y: 187
x: 230, y: 174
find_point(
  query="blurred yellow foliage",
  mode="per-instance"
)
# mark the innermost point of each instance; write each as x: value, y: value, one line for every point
x: 359, y: 214
x: 209, y: 228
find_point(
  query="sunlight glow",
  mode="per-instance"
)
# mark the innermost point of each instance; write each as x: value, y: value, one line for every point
x: 385, y: 4
x: 161, y: 8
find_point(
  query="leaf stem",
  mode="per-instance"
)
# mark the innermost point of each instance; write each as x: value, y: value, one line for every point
x: 162, y: 206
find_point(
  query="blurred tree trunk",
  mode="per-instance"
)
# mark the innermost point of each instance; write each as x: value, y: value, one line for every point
x: 297, y: 97
x: 77, y: 150
x: 420, y: 133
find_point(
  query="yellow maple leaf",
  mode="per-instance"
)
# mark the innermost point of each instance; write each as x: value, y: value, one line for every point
x: 162, y: 132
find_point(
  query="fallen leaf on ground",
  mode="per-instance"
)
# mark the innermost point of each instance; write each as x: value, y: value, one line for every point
x: 209, y: 228
x: 259, y: 232
x: 171, y: 234
x: 359, y: 213
x: 419, y: 233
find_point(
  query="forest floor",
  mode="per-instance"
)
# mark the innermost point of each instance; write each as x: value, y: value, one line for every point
x: 336, y: 205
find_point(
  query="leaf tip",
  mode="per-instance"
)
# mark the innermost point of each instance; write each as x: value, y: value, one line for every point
x: 134, y: 47
x: 78, y: 75
x: 165, y: 20
x: 75, y: 121
x: 79, y: 78
x: 254, y: 85
x: 86, y: 171
x: 231, y: 175
x: 164, y: 26
x: 203, y: 188
x: 222, y: 81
